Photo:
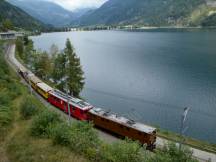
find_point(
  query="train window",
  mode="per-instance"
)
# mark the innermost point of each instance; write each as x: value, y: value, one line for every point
x: 102, y: 119
x: 139, y: 133
x: 121, y: 126
x: 128, y: 129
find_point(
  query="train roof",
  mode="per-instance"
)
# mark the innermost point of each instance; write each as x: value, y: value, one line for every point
x: 44, y: 87
x: 122, y: 120
x: 22, y: 69
x: 34, y: 79
x: 73, y: 101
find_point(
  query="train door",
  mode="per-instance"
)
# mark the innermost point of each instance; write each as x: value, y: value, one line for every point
x: 65, y: 107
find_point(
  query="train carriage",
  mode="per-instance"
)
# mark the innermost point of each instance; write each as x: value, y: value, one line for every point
x: 34, y: 81
x: 43, y: 89
x: 22, y: 71
x: 124, y: 127
x: 78, y: 108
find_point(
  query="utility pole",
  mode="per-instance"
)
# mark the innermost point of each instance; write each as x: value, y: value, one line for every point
x: 29, y: 83
x: 183, y: 129
x: 68, y: 104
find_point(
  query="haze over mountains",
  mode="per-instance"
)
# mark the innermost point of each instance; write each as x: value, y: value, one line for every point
x: 48, y: 12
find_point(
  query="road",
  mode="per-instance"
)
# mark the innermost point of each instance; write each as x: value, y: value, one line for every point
x: 202, y: 156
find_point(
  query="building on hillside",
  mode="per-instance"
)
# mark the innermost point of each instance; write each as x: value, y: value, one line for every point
x: 10, y: 35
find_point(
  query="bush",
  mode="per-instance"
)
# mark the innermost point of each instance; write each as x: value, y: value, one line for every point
x: 5, y: 116
x: 61, y: 134
x: 123, y: 151
x: 83, y: 137
x: 171, y: 153
x: 79, y: 136
x: 160, y: 157
x: 5, y: 99
x: 183, y: 155
x: 15, y: 89
x: 42, y: 123
x: 28, y: 107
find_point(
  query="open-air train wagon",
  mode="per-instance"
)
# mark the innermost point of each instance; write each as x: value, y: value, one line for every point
x: 43, y: 89
x: 34, y: 81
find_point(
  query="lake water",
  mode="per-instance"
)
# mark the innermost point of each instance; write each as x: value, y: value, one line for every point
x: 149, y: 76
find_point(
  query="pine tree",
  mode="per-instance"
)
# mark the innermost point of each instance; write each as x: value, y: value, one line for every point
x: 59, y: 71
x: 7, y: 24
x: 54, y: 51
x: 29, y: 49
x: 42, y: 65
x: 74, y: 73
x: 19, y: 47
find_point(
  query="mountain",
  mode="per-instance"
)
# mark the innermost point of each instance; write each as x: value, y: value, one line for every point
x: 82, y: 11
x: 18, y: 17
x: 150, y: 13
x: 47, y: 12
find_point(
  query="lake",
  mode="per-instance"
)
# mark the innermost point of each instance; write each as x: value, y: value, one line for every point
x: 149, y: 76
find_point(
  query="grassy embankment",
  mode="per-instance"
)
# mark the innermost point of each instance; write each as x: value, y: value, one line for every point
x: 16, y: 143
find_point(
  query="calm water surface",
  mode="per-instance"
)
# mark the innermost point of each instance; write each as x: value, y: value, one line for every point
x: 149, y: 76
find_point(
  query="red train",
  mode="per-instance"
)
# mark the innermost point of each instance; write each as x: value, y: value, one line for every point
x: 78, y: 108
x: 82, y: 110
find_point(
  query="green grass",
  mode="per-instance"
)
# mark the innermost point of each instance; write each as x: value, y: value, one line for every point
x: 202, y: 145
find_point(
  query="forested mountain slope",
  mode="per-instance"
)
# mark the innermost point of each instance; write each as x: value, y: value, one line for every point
x: 150, y: 13
x: 47, y: 12
x: 18, y: 17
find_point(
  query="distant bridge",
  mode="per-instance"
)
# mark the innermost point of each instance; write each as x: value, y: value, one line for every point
x: 10, y: 35
x: 211, y: 3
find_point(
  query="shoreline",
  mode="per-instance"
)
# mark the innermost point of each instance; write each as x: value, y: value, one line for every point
x: 126, y: 28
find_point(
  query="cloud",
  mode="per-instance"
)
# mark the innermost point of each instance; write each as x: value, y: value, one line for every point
x: 76, y: 4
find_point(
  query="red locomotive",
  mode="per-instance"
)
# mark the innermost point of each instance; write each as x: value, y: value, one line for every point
x: 78, y: 108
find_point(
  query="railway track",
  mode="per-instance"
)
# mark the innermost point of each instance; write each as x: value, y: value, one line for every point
x: 202, y: 156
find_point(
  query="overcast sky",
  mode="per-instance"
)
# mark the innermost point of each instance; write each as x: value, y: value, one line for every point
x: 75, y: 4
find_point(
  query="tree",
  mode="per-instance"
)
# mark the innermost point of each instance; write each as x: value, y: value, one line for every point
x: 20, y: 47
x: 74, y: 72
x: 26, y: 40
x: 28, y: 55
x: 42, y: 65
x: 59, y: 71
x: 67, y: 71
x: 54, y: 51
x: 7, y: 24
